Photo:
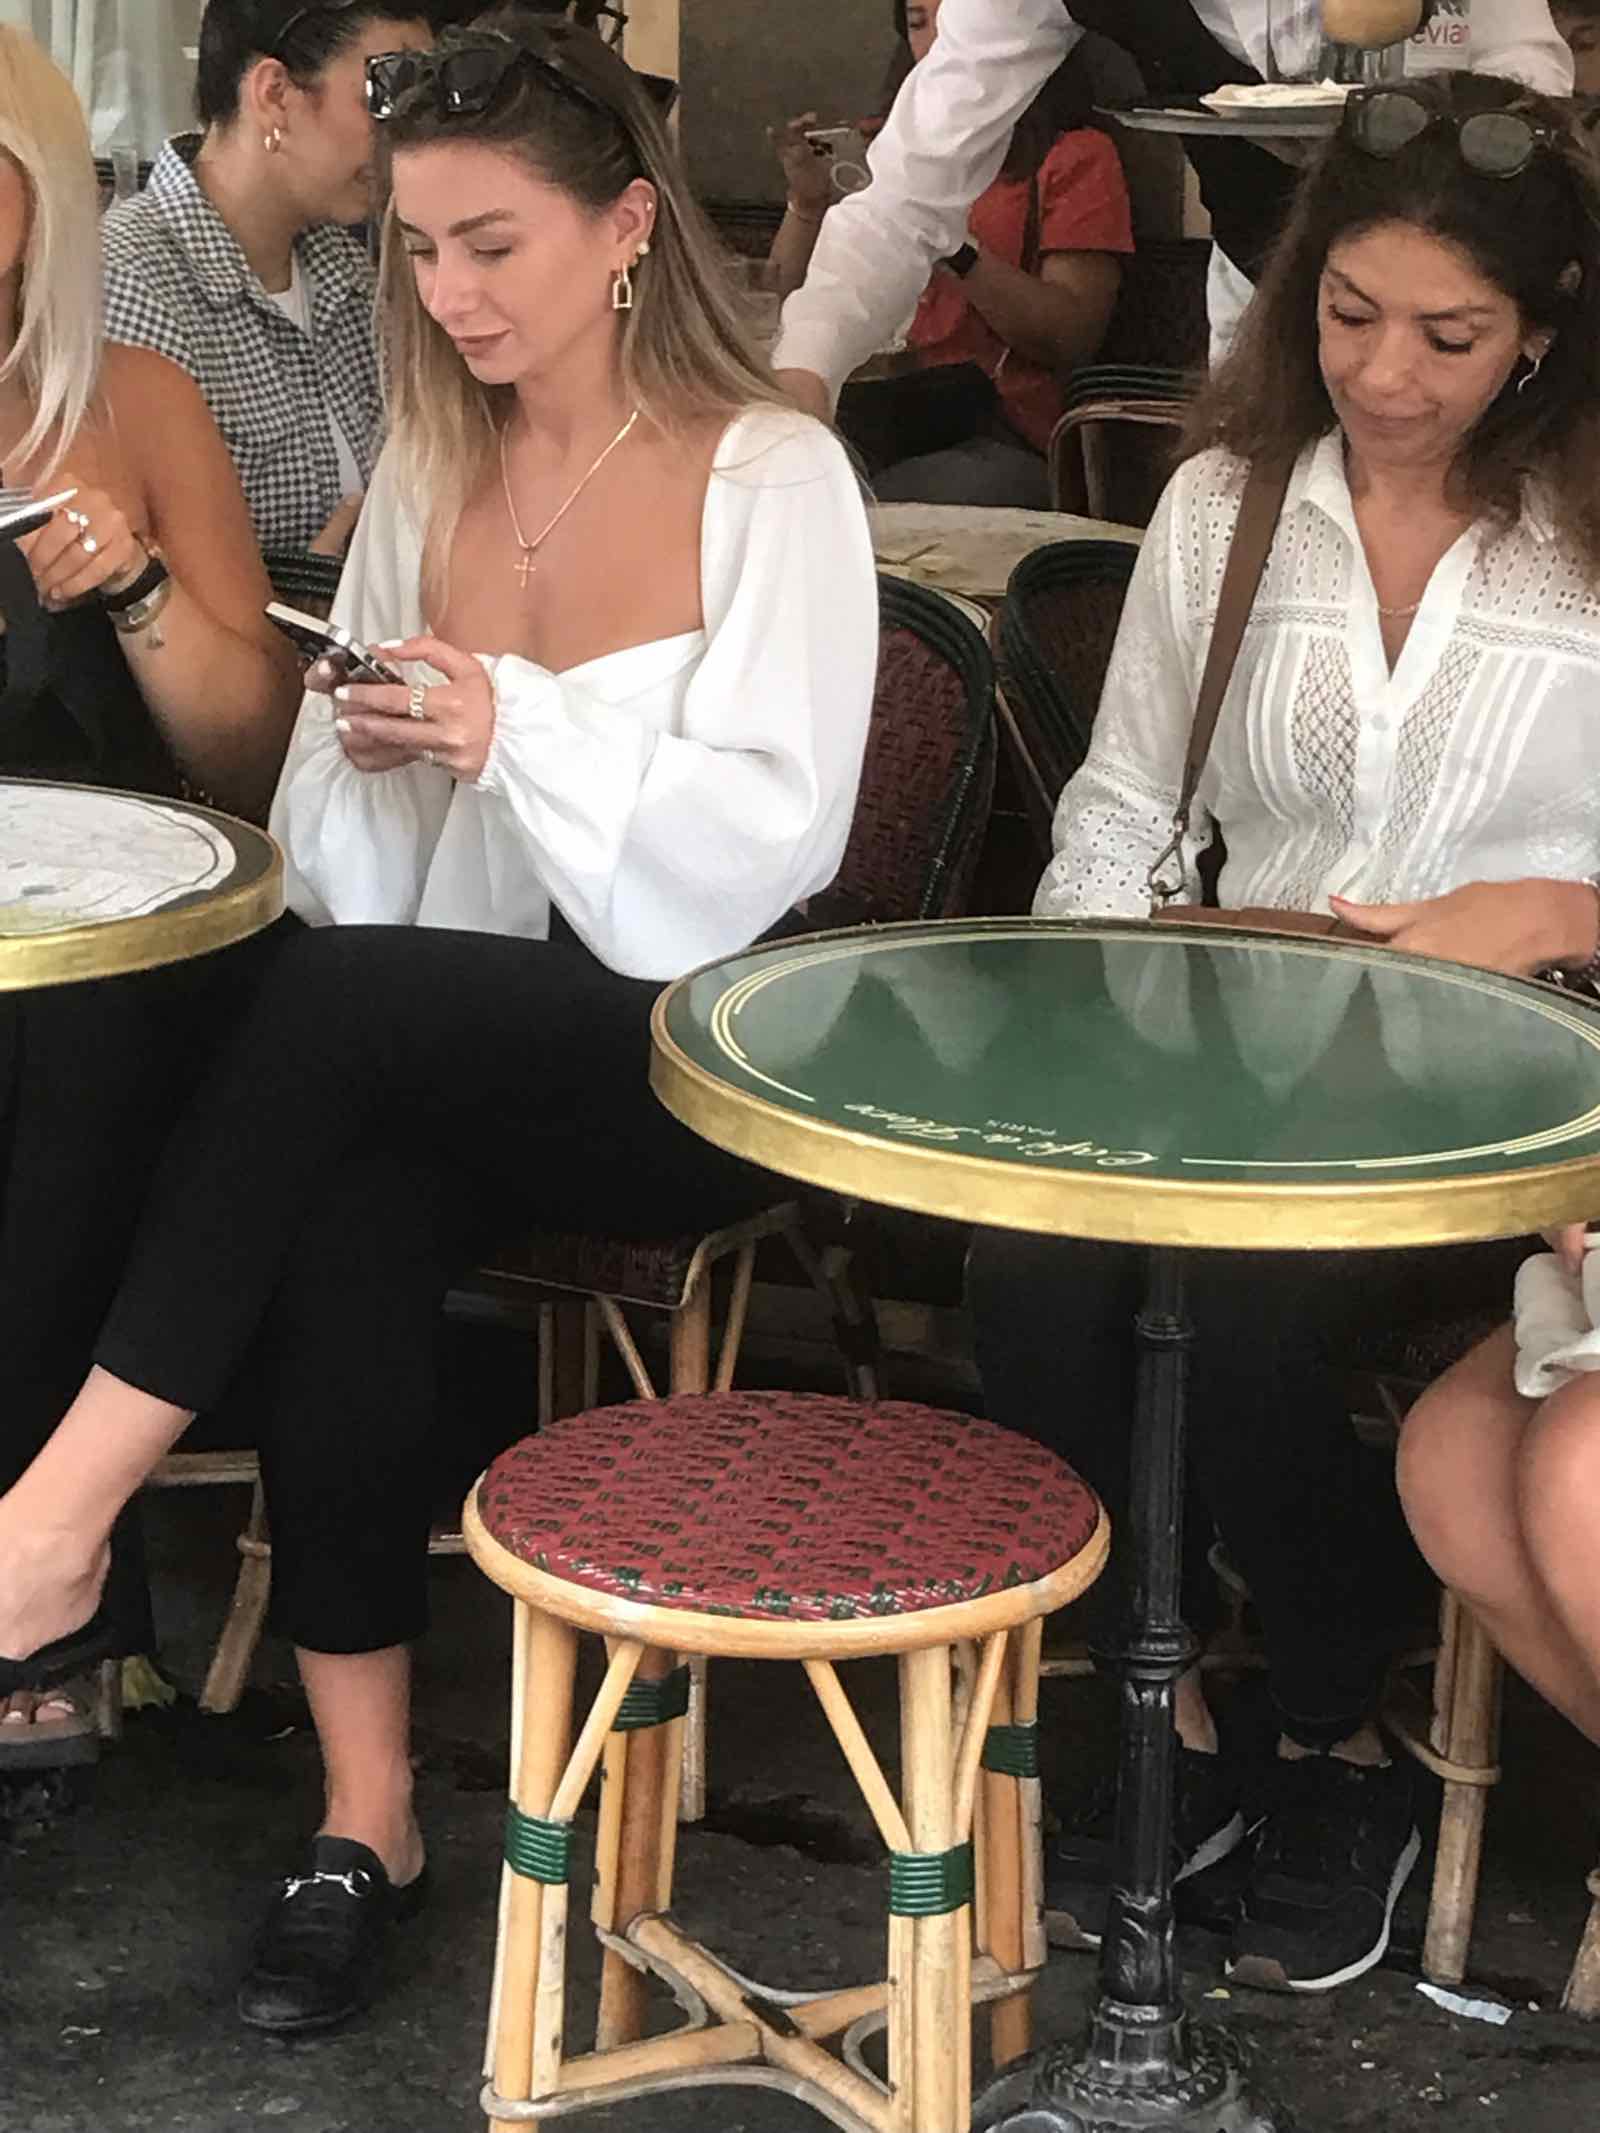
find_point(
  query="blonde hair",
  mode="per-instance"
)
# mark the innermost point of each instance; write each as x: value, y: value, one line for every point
x: 686, y: 351
x: 56, y: 353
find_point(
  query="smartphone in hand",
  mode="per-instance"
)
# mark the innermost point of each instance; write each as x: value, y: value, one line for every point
x: 845, y: 149
x: 316, y: 639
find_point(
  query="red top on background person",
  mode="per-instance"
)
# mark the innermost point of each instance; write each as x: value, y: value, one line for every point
x: 1076, y: 202
x: 1023, y: 301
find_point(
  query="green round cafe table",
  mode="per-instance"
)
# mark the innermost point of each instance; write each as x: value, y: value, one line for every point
x: 1181, y: 1089
x: 95, y: 883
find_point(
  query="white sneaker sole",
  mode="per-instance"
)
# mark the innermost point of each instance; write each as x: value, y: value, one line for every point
x: 1269, y: 1975
x: 1062, y: 1930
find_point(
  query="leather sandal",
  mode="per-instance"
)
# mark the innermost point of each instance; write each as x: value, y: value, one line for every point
x: 317, y: 1954
x: 75, y: 1653
x: 54, y: 1743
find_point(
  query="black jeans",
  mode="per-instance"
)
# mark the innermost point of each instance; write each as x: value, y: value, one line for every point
x: 1311, y: 1521
x: 395, y: 1102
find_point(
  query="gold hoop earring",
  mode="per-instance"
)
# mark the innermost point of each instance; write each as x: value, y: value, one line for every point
x: 622, y: 290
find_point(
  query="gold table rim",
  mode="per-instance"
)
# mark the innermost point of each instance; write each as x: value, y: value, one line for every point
x: 1111, y: 1207
x: 151, y: 940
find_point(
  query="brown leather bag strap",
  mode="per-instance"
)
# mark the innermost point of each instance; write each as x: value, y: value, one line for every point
x: 1259, y: 511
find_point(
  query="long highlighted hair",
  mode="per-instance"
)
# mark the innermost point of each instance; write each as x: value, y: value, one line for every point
x: 56, y: 353
x: 686, y: 352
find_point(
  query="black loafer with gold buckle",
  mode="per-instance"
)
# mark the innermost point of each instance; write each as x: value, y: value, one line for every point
x: 316, y: 1957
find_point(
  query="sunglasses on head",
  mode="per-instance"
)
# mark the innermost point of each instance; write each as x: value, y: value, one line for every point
x: 465, y: 78
x: 1494, y: 144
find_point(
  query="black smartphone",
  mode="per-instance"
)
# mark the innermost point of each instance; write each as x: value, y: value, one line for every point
x: 326, y: 640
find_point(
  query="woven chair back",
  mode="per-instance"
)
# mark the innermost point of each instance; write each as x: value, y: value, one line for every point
x: 1053, y: 643
x: 928, y: 777
x: 1160, y: 317
x: 304, y: 581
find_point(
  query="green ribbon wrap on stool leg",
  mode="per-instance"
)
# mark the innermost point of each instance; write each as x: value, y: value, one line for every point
x: 1012, y: 1751
x: 928, y: 1884
x: 653, y: 1703
x: 536, y: 1849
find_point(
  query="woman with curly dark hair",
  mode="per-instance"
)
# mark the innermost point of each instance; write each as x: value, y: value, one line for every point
x: 1409, y: 739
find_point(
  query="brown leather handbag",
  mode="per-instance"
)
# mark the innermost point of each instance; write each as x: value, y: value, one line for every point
x: 1259, y: 510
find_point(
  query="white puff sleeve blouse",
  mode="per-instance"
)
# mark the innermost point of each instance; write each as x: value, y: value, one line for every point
x: 672, y: 799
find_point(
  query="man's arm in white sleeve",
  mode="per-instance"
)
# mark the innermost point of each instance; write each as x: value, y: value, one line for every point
x: 941, y: 145
x: 1516, y: 37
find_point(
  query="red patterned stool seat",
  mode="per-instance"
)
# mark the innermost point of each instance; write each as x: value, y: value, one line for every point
x: 786, y: 1507
x: 775, y: 1526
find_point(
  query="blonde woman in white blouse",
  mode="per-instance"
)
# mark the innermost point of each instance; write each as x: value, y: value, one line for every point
x: 1411, y: 738
x: 637, y: 616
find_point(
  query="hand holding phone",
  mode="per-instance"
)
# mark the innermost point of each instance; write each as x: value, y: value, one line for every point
x: 320, y: 641
x: 845, y: 148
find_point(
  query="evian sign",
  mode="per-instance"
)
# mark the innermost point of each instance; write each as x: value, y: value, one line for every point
x: 1447, y: 29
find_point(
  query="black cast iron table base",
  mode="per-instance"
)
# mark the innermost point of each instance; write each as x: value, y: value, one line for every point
x: 1145, y: 2065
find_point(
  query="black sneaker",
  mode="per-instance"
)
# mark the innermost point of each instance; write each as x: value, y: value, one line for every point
x: 1334, y: 1853
x: 1207, y: 1824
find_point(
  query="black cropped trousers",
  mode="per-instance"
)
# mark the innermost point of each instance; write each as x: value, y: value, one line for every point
x: 393, y: 1103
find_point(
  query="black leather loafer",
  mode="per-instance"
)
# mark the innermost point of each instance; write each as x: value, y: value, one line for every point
x: 316, y: 1957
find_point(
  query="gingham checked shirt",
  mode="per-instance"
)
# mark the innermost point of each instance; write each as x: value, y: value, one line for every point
x: 177, y: 281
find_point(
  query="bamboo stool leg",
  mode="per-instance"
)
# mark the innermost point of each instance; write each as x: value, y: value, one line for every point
x: 1466, y: 1735
x: 936, y: 1992
x: 1582, y: 1996
x: 1000, y: 1840
x: 541, y: 1746
x: 690, y: 1371
x: 636, y: 1852
x: 247, y: 1614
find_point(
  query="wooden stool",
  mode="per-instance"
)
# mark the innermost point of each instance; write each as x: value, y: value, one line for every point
x: 776, y: 1526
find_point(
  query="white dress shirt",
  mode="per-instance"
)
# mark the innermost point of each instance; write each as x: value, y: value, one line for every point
x: 947, y: 134
x: 673, y: 799
x: 1476, y: 759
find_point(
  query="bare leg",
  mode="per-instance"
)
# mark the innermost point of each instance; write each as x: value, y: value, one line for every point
x: 1473, y: 1503
x: 55, y: 1522
x: 361, y: 1707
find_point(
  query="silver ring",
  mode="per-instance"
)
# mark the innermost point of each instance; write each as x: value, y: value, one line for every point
x: 417, y: 701
x: 88, y: 543
x: 430, y: 758
x: 80, y: 519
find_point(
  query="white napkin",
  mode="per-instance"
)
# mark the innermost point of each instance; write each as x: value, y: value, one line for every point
x: 1557, y: 1321
x: 1273, y: 95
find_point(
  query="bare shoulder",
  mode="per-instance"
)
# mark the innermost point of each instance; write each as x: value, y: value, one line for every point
x: 141, y: 386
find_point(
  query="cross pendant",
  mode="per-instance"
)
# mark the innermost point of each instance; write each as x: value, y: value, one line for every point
x: 526, y: 567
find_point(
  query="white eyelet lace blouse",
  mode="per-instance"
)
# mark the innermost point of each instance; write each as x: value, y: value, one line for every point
x: 1476, y: 759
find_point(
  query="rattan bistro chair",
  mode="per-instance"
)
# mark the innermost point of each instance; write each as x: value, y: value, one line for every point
x: 1053, y: 637
x: 920, y: 816
x: 1111, y: 451
x: 300, y: 579
x: 775, y: 1526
